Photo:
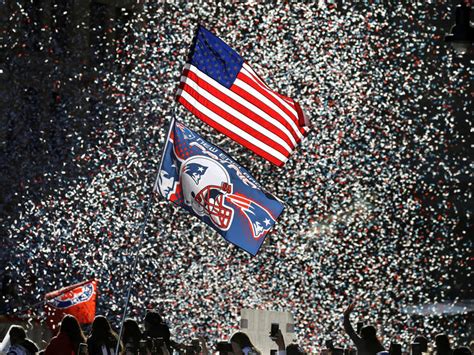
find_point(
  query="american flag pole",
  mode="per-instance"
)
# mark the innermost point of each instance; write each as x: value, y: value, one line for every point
x: 140, y: 242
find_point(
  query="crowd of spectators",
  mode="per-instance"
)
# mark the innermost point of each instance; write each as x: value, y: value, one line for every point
x: 377, y: 204
x: 156, y: 339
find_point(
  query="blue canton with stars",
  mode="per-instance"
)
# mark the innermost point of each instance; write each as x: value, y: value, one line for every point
x: 215, y: 58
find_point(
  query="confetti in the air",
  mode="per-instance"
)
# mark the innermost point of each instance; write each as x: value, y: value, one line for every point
x: 378, y: 196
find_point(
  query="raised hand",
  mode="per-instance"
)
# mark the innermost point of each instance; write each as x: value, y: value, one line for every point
x: 349, y: 309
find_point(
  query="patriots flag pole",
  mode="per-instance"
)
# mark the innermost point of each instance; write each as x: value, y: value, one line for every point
x: 221, y: 89
x: 205, y: 181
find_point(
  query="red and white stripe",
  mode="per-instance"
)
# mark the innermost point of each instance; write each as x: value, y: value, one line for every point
x: 269, y: 124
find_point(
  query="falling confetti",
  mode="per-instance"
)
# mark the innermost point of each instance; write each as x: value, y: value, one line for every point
x: 378, y: 196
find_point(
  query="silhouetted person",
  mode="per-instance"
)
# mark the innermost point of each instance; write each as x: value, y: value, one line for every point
x: 463, y: 350
x: 67, y: 341
x: 131, y: 337
x: 395, y: 349
x: 102, y: 340
x: 443, y: 347
x: 8, y: 295
x: 19, y: 343
x: 292, y: 349
x: 367, y: 343
x: 241, y: 344
x: 155, y: 327
x: 423, y: 347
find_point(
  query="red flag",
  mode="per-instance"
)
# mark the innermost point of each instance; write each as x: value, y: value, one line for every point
x: 78, y: 300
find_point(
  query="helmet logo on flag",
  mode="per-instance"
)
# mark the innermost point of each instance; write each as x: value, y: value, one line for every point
x: 205, y: 184
x: 78, y: 295
x: 196, y: 171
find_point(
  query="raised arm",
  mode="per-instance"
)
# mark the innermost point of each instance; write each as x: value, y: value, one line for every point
x: 348, y: 326
x: 280, y: 342
x: 203, y: 343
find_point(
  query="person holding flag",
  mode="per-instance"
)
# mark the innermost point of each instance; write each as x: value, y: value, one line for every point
x: 69, y: 339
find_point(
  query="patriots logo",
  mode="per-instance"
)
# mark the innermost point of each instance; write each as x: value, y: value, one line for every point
x: 196, y: 171
x: 188, y: 134
x: 73, y: 297
x: 260, y: 220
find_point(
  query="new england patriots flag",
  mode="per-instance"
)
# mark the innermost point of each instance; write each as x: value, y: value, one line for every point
x: 78, y: 300
x: 221, y: 89
x: 201, y: 178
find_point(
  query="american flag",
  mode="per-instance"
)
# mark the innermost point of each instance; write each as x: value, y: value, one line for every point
x: 225, y: 92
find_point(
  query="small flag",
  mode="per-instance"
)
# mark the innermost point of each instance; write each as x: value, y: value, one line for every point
x: 225, y: 92
x: 201, y: 178
x: 78, y: 300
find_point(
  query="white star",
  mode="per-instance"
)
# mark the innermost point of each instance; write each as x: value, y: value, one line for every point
x: 266, y: 221
x: 201, y: 169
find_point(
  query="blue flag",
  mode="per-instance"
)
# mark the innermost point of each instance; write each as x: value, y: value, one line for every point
x: 201, y: 178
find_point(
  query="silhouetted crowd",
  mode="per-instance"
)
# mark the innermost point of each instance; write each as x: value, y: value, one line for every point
x: 157, y: 339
